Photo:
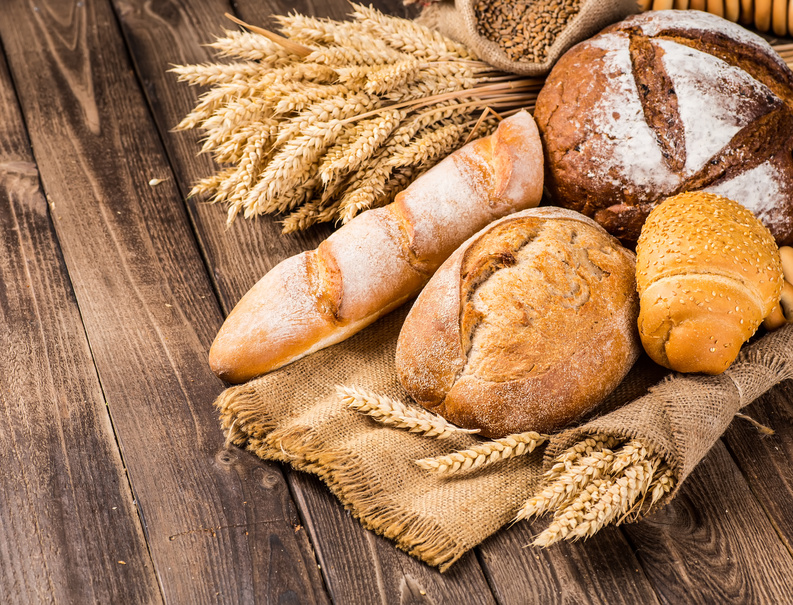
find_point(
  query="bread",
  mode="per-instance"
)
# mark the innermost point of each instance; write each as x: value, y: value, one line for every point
x: 708, y: 273
x: 382, y: 257
x: 666, y: 102
x: 527, y: 326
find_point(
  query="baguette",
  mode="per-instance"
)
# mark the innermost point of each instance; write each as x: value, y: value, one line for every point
x: 382, y: 257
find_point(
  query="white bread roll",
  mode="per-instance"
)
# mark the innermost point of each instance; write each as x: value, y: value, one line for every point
x: 708, y: 273
x: 382, y: 257
x: 526, y: 327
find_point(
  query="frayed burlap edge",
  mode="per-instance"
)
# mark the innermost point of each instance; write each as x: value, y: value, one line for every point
x: 661, y: 419
x: 247, y: 424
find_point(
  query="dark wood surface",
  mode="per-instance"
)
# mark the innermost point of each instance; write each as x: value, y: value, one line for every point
x: 115, y: 485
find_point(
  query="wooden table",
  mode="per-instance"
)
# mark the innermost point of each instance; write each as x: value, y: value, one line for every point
x: 115, y: 485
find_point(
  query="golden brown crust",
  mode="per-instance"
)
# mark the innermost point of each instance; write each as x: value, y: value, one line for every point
x: 382, y: 257
x: 708, y: 273
x: 527, y: 326
x: 666, y: 102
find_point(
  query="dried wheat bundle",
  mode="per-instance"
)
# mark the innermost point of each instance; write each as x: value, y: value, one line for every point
x: 597, y: 482
x: 334, y: 117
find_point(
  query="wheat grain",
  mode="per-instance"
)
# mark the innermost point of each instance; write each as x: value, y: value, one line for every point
x: 434, y: 144
x: 583, y: 448
x: 364, y: 189
x: 662, y: 484
x: 399, y: 180
x: 327, y: 32
x: 342, y: 55
x: 228, y: 146
x: 410, y: 37
x: 209, y: 74
x: 210, y: 183
x: 567, y: 520
x: 396, y: 414
x: 333, y: 108
x: 484, y: 454
x: 287, y: 200
x: 391, y: 77
x: 291, y: 165
x: 315, y: 211
x: 304, y: 95
x: 237, y: 91
x: 629, y: 454
x: 595, y: 485
x: 251, y: 47
x: 571, y: 482
x: 361, y: 142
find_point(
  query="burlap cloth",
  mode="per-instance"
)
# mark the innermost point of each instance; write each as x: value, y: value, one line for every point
x: 456, y: 19
x: 294, y: 416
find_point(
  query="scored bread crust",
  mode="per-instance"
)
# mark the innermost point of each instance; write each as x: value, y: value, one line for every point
x: 527, y: 326
x: 382, y: 257
x: 666, y: 102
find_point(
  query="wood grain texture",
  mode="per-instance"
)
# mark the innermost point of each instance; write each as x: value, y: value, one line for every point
x: 767, y: 460
x: 362, y: 567
x: 69, y: 530
x: 219, y: 529
x: 712, y: 543
x: 358, y: 566
x: 160, y: 35
x: 600, y: 570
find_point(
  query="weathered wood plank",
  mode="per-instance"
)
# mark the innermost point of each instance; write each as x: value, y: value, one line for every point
x: 362, y: 567
x: 504, y: 561
x: 352, y: 559
x: 600, y: 570
x: 69, y: 530
x: 767, y: 460
x: 238, y: 256
x: 219, y: 528
x: 713, y: 544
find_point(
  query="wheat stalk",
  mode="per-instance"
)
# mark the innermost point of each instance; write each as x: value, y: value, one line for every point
x: 209, y: 74
x: 594, y: 484
x: 251, y: 47
x: 405, y: 95
x: 360, y: 142
x: 484, y: 454
x: 410, y: 37
x: 396, y: 414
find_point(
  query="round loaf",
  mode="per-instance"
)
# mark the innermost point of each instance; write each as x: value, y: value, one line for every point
x: 708, y: 273
x: 667, y: 102
x: 527, y: 326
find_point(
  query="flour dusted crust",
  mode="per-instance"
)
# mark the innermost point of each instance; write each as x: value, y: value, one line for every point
x: 666, y: 102
x: 382, y: 257
x: 527, y: 326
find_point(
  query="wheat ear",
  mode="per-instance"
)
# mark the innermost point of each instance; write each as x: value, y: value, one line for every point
x: 483, y: 454
x: 394, y: 413
x: 594, y: 484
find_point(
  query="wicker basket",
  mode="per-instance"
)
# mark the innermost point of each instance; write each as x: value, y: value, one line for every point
x: 763, y: 15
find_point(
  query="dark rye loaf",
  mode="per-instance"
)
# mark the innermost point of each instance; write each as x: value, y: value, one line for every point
x: 526, y: 327
x: 666, y: 102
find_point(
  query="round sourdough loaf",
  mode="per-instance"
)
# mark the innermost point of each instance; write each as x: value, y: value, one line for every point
x: 527, y: 326
x: 667, y: 102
